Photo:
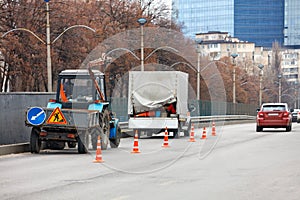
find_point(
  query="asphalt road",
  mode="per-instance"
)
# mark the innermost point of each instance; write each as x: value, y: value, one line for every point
x: 236, y: 164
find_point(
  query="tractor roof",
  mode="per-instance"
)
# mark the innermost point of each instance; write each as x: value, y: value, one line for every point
x: 79, y: 72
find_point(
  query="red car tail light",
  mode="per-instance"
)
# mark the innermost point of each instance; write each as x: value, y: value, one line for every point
x: 260, y: 114
x: 285, y: 114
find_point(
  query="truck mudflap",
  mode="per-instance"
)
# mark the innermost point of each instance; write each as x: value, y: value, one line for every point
x: 153, y: 123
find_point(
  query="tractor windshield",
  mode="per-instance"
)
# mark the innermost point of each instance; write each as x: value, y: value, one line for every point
x: 77, y: 90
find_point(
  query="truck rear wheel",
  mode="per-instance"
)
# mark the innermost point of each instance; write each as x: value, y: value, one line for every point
x: 176, y: 133
x: 114, y: 143
x: 83, y: 142
x: 187, y: 131
x: 35, y: 142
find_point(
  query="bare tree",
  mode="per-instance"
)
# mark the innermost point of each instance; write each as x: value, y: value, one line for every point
x: 25, y: 56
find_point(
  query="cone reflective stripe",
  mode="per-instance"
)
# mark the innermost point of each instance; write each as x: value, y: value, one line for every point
x: 136, y: 143
x: 204, y: 133
x: 98, y: 158
x: 192, y: 138
x: 166, y: 139
x: 213, y: 129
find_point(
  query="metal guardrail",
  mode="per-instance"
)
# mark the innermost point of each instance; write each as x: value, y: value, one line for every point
x: 203, y: 119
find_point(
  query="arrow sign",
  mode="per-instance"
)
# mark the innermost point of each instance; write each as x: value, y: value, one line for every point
x: 36, y: 116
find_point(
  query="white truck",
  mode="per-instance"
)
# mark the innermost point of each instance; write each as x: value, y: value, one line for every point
x: 158, y: 100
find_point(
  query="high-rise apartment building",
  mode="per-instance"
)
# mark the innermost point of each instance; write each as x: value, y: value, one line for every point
x: 258, y: 21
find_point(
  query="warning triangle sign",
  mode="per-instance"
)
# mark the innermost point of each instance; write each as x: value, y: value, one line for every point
x: 57, y: 117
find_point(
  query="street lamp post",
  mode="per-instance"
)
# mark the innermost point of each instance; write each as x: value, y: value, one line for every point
x: 296, y: 94
x: 198, y: 75
x: 142, y: 22
x: 279, y: 87
x: 260, y: 66
x: 134, y: 55
x: 48, y: 42
x: 234, y: 55
x: 198, y: 41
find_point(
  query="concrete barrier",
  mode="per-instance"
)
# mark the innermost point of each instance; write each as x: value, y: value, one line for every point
x: 13, y: 106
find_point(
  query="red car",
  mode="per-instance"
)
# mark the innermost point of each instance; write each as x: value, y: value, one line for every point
x: 274, y: 115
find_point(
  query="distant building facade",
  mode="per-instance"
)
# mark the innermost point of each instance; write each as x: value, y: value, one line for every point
x: 216, y: 45
x: 290, y: 63
x: 258, y: 21
x: 220, y: 44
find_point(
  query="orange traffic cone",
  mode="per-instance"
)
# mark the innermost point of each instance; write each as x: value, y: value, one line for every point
x: 213, y: 129
x: 136, y: 143
x: 98, y: 158
x: 166, y: 139
x: 192, y: 138
x: 204, y: 133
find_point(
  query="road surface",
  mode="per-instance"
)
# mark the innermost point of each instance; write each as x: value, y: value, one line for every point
x: 236, y: 164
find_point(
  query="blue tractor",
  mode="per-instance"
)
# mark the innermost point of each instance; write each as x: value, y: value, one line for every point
x: 76, y: 117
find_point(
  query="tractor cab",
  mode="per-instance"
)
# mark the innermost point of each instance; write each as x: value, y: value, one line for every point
x: 76, y: 88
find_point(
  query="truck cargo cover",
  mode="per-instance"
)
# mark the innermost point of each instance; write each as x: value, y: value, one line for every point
x: 150, y: 90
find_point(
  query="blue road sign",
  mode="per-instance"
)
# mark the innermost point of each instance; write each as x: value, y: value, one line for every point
x: 36, y: 116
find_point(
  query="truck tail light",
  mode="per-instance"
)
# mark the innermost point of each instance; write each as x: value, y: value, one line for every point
x: 70, y: 135
x: 43, y: 133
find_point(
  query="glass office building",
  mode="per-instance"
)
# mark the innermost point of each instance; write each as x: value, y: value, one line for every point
x: 292, y: 24
x: 258, y: 21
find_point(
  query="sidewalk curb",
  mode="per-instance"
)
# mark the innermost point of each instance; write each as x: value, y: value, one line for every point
x: 14, y: 148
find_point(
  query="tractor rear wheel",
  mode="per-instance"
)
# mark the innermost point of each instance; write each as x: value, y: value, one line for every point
x: 105, y: 127
x: 35, y: 142
x: 83, y: 142
x: 103, y: 139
